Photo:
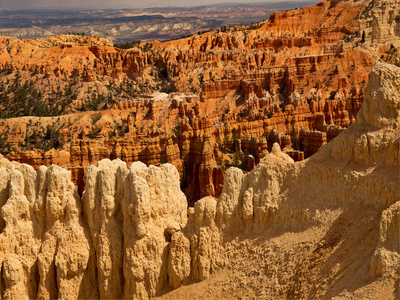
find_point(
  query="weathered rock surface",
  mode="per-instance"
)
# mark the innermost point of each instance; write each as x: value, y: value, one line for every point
x: 297, y: 80
x: 326, y: 227
x: 321, y: 228
x: 111, y: 244
x: 45, y: 251
x: 51, y: 57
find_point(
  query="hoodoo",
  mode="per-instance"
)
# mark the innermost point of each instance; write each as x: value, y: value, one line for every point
x: 325, y: 227
x: 202, y: 103
x: 257, y: 162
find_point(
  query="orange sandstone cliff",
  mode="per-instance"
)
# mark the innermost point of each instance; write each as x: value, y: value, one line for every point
x: 322, y: 228
x: 202, y: 103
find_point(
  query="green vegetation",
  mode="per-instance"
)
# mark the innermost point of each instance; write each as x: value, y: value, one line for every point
x: 336, y: 70
x: 295, y: 139
x: 5, y: 146
x: 127, y: 87
x: 235, y: 147
x: 244, y: 165
x: 94, y: 131
x: 220, y: 162
x: 178, y: 129
x: 76, y: 33
x: 367, y: 10
x: 147, y: 47
x: 223, y: 29
x: 46, y: 138
x: 96, y: 101
x: 122, y: 129
x: 18, y: 98
x: 128, y: 45
x: 255, y: 26
x: 161, y: 76
x: 235, y: 140
x: 204, y: 31
x: 163, y: 158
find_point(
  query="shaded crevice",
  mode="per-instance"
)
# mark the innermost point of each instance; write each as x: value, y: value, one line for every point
x: 2, y: 282
x: 89, y: 287
x: 34, y: 278
x: 3, y: 201
x: 121, y: 270
x: 54, y: 278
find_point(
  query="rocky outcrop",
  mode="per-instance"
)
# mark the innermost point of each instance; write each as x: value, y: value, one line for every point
x: 312, y: 141
x: 113, y: 243
x: 37, y: 158
x: 131, y: 235
x: 385, y: 22
x: 297, y: 80
x: 128, y: 219
x: 281, y: 194
x: 281, y: 54
x: 385, y: 262
x: 44, y: 246
x: 152, y: 151
x: 64, y: 55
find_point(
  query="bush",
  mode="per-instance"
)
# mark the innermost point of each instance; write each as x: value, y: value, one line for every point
x: 94, y: 131
x: 5, y: 146
x: 128, y: 45
x: 26, y: 100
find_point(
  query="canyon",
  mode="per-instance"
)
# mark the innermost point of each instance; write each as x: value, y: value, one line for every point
x: 203, y: 103
x: 255, y: 161
x: 324, y: 227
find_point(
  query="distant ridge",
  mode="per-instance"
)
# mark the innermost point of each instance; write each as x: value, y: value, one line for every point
x: 118, y: 7
x: 300, y: 3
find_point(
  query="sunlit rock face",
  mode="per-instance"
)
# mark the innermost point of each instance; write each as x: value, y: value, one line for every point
x: 132, y: 235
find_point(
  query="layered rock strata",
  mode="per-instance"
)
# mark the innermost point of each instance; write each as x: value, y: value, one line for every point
x: 297, y: 80
x: 131, y: 235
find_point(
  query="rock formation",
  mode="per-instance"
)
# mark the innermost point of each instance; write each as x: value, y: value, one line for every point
x: 326, y: 227
x: 321, y: 228
x: 112, y: 243
x: 297, y: 79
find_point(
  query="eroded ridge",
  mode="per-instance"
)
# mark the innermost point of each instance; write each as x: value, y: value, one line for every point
x: 326, y: 227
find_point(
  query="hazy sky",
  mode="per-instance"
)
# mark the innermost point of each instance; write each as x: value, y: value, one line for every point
x: 30, y: 4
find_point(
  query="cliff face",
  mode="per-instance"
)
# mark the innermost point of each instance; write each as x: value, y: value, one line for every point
x: 297, y: 79
x: 287, y: 47
x: 381, y: 21
x: 64, y: 55
x: 350, y: 188
x: 112, y: 243
x: 131, y: 235
x: 131, y: 218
